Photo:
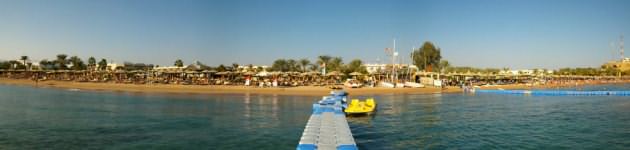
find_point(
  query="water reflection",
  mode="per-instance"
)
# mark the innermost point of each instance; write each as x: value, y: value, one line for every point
x: 249, y: 121
x: 361, y: 120
x: 429, y: 107
x: 247, y: 105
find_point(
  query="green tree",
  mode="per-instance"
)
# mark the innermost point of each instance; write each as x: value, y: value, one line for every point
x: 235, y: 67
x: 46, y: 65
x: 179, y: 63
x: 5, y: 65
x: 444, y: 65
x: 304, y: 63
x: 250, y: 67
x: 336, y: 64
x: 355, y: 65
x: 91, y: 63
x: 427, y: 57
x: 292, y: 65
x: 16, y: 65
x: 24, y: 58
x: 77, y: 63
x: 280, y: 65
x: 221, y: 68
x: 313, y: 67
x: 61, y: 62
x: 323, y: 60
x: 102, y: 65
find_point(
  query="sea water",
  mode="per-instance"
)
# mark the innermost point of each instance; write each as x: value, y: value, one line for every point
x: 47, y: 118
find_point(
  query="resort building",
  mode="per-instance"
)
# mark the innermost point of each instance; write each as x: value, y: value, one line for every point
x: 526, y: 72
x: 622, y: 65
x: 253, y: 68
x: 114, y: 66
x: 374, y: 68
x: 168, y: 69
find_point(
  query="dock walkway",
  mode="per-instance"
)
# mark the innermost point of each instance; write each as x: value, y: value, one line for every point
x: 327, y: 128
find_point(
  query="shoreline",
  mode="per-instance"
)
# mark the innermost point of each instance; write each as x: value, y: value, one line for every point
x: 220, y: 89
x: 300, y: 91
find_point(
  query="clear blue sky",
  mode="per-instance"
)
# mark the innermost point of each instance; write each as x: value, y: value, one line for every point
x: 497, y: 33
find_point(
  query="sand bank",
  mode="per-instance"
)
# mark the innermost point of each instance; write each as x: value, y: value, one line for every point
x: 217, y: 89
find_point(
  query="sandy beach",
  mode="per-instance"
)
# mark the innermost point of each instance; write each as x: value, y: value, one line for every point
x: 301, y: 90
x: 214, y: 89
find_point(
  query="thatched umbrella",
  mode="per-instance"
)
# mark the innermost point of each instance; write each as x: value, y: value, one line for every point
x: 209, y: 71
x: 356, y: 74
x: 249, y: 73
x: 334, y: 73
x: 223, y: 73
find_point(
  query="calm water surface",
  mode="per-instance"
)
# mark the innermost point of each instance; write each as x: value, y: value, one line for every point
x: 40, y: 118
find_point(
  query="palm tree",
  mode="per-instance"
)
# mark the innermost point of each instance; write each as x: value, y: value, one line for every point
x: 336, y: 64
x: 61, y: 61
x: 313, y: 67
x: 91, y: 63
x: 179, y: 63
x: 292, y: 65
x: 221, y: 68
x: 102, y: 65
x: 304, y: 63
x: 234, y: 67
x: 24, y: 58
x: 44, y: 64
x: 279, y: 65
x: 77, y: 63
x: 251, y: 68
x: 323, y: 60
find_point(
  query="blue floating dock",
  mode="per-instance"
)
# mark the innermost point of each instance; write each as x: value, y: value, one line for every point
x: 327, y: 128
x: 557, y: 92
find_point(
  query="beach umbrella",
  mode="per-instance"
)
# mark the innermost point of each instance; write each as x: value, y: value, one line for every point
x: 334, y: 73
x: 249, y: 73
x: 314, y: 73
x: 276, y: 73
x: 223, y: 73
x: 356, y: 74
x: 209, y: 71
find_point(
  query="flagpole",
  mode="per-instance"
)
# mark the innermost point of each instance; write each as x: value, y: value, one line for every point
x: 393, y: 62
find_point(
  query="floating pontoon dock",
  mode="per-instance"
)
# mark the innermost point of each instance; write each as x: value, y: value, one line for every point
x: 327, y: 128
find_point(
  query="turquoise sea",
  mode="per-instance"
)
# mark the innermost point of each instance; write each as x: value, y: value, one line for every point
x: 47, y: 118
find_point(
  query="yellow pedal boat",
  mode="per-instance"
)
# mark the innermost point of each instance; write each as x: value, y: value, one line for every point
x: 361, y: 107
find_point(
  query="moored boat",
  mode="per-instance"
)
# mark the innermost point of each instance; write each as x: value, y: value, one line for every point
x: 361, y: 107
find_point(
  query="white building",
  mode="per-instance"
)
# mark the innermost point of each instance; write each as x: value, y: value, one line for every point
x: 113, y: 66
x: 168, y: 68
x: 525, y: 72
x: 372, y: 68
x: 246, y: 68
